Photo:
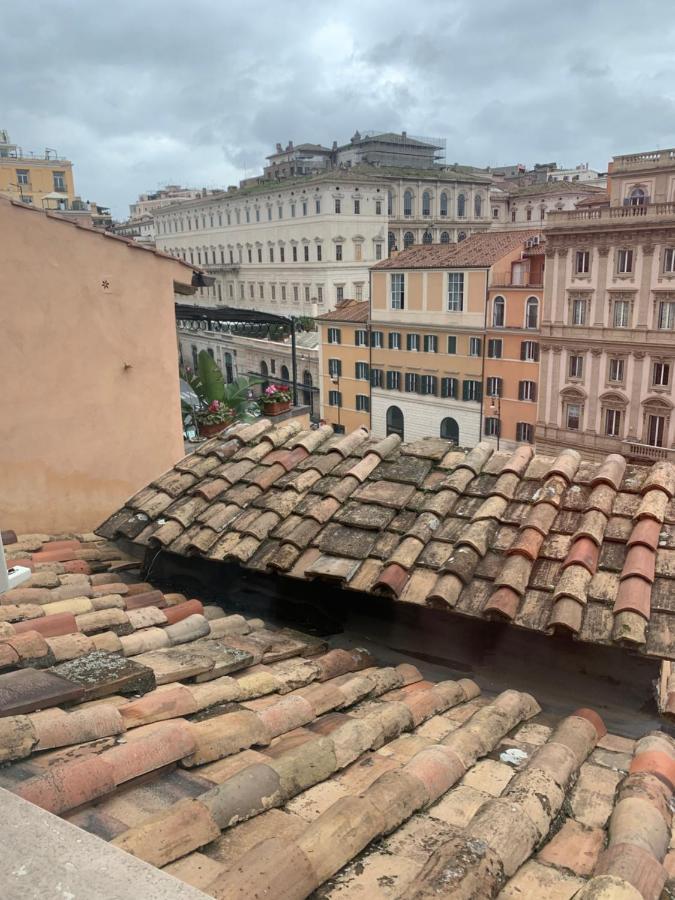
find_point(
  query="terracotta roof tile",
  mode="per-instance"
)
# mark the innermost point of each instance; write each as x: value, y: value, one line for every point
x: 481, y: 250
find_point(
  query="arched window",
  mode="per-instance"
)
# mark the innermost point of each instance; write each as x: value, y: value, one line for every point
x: 407, y: 203
x: 229, y: 368
x: 390, y: 203
x: 395, y: 421
x: 307, y: 388
x: 444, y: 204
x: 195, y: 358
x: 450, y: 430
x: 445, y: 237
x: 461, y: 236
x: 637, y: 197
x: 532, y: 313
x: 461, y: 206
x: 426, y: 203
x: 284, y: 374
x: 478, y: 206
x: 264, y: 372
x: 408, y: 239
x: 391, y: 240
x: 426, y: 237
x: 498, y: 308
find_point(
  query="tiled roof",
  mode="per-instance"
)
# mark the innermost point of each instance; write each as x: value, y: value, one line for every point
x: 256, y: 762
x: 595, y: 200
x: 130, y: 242
x: 547, y: 544
x: 347, y: 311
x: 483, y: 249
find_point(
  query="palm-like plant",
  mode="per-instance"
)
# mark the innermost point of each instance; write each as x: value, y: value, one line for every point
x: 220, y: 402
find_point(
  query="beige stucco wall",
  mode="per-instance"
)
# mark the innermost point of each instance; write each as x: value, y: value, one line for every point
x: 89, y: 407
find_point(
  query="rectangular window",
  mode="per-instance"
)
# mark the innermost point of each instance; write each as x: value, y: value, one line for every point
x: 411, y: 383
x: 377, y: 339
x: 251, y: 290
x: 412, y: 342
x: 292, y: 210
x: 475, y: 346
x: 230, y: 289
x: 494, y: 348
x: 272, y: 254
x: 318, y: 252
x: 656, y: 431
x: 452, y: 344
x: 357, y: 207
x: 334, y: 336
x: 492, y: 428
x: 455, y: 291
x: 249, y: 254
x: 261, y: 291
x: 378, y: 251
x: 471, y: 390
x: 294, y: 253
x: 527, y: 390
x: 358, y: 252
x: 621, y: 314
x: 59, y: 181
x: 319, y: 293
x: 338, y: 206
x: 576, y: 367
x: 339, y: 293
x: 529, y: 351
x: 259, y: 254
x: 361, y: 371
x: 334, y: 398
x: 376, y: 377
x: 362, y: 403
x: 283, y: 294
x: 573, y: 416
x: 248, y: 215
x: 280, y: 211
x: 257, y: 215
x: 306, y: 293
x: 269, y: 213
x: 306, y: 252
x: 667, y: 315
x: 317, y: 206
x: 22, y: 176
x: 582, y: 262
x: 393, y: 381
x: 428, y: 384
x: 430, y: 343
x: 578, y: 311
x: 378, y: 209
x: 334, y: 367
x: 338, y: 252
x: 449, y: 388
x: 397, y: 291
x: 394, y: 340
x: 274, y: 291
x: 493, y: 387
x: 524, y: 432
x: 361, y: 337
x: 241, y: 290
x: 669, y: 260
x: 616, y: 370
x: 295, y: 293
x: 613, y: 422
x: 661, y: 374
x: 624, y: 262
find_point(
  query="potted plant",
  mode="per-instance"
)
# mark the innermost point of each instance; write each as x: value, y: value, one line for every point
x: 218, y: 404
x: 276, y: 399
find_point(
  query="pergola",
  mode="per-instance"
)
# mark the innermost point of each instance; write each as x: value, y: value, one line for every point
x: 251, y: 322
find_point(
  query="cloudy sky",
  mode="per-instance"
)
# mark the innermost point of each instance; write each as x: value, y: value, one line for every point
x: 138, y: 93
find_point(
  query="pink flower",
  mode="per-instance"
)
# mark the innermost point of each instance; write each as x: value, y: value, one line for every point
x: 271, y: 389
x: 214, y: 406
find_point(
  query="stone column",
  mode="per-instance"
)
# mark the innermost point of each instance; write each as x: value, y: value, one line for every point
x: 599, y: 309
x: 634, y: 391
x: 544, y: 385
x: 547, y: 315
x: 644, y: 290
x: 593, y: 389
x: 554, y: 400
x: 561, y: 275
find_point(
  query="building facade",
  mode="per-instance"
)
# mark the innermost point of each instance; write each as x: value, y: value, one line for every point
x: 32, y: 177
x: 607, y: 344
x: 345, y: 366
x: 527, y: 206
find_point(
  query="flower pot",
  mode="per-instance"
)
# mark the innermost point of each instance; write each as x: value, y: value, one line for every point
x: 209, y: 431
x: 274, y: 408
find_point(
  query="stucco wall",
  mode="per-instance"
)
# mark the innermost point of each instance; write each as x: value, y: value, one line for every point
x: 89, y: 404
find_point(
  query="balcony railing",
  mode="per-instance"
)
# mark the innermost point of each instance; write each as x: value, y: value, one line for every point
x: 647, y: 452
x: 633, y: 161
x: 647, y: 211
x: 222, y: 267
x: 526, y: 283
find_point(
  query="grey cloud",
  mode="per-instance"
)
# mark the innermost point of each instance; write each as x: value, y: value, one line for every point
x: 137, y: 94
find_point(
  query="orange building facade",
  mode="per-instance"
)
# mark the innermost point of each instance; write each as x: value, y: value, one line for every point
x: 344, y: 366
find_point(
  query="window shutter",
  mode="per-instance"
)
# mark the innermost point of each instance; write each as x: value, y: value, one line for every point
x: 338, y: 335
x: 423, y: 385
x: 390, y: 380
x: 523, y: 350
x: 534, y: 391
x: 536, y: 352
x: 452, y: 344
x: 434, y: 386
x: 521, y: 390
x: 454, y: 388
x: 465, y: 390
x: 479, y: 391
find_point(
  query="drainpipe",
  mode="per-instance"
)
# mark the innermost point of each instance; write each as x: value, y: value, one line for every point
x: 484, y: 350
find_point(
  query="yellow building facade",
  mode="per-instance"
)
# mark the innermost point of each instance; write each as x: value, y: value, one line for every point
x: 44, y: 180
x: 345, y: 366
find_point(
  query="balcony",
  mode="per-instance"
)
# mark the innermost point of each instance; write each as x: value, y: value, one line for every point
x: 646, y: 453
x: 525, y: 283
x: 222, y: 267
x: 632, y: 162
x: 646, y: 213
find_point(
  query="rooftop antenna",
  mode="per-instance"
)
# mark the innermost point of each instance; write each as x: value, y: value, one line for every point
x: 12, y: 577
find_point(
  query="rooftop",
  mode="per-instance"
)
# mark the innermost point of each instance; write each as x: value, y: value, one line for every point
x: 347, y: 311
x: 478, y: 250
x: 252, y: 761
x: 555, y: 187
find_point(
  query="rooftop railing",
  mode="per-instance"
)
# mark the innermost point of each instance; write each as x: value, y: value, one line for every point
x: 650, y: 159
x: 645, y: 212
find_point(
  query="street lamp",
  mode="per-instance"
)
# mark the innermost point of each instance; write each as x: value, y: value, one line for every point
x: 335, y: 379
x: 497, y: 407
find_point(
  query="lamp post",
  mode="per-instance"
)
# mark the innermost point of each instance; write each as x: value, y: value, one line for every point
x: 497, y: 407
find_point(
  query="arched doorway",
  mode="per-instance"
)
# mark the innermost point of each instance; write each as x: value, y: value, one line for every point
x: 395, y: 421
x: 284, y: 375
x: 307, y: 385
x: 450, y: 430
x: 264, y: 372
x: 229, y: 368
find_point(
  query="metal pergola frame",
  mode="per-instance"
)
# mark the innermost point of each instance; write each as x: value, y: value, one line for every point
x: 222, y: 318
